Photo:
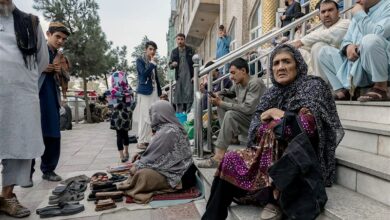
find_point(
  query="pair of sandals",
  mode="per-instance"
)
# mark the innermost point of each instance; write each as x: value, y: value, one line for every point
x: 71, y: 192
x: 61, y: 209
x: 373, y: 94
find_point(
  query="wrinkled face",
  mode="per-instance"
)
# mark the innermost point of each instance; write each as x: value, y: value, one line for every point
x: 367, y: 4
x: 56, y: 39
x: 329, y: 14
x: 5, y: 7
x: 180, y: 41
x: 237, y: 75
x: 150, y: 51
x: 215, y: 74
x: 284, y: 68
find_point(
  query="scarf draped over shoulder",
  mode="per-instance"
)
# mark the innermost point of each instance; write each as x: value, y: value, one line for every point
x: 169, y: 151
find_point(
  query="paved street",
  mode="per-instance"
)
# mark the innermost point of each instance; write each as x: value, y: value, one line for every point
x: 86, y: 149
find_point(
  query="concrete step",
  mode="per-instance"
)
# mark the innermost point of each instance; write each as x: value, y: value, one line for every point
x: 374, y: 112
x: 367, y: 136
x: 342, y: 204
x: 365, y: 173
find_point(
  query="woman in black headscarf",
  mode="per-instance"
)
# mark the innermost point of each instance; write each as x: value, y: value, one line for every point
x: 293, y: 93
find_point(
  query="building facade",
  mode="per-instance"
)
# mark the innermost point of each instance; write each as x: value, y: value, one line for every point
x: 245, y: 20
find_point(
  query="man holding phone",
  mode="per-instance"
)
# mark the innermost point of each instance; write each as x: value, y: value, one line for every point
x: 235, y: 108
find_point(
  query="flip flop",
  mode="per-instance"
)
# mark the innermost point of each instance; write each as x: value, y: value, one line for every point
x: 77, y: 186
x: 68, y: 196
x: 68, y: 209
x: 51, y: 207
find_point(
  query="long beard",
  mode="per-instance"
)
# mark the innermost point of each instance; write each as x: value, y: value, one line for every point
x: 5, y: 9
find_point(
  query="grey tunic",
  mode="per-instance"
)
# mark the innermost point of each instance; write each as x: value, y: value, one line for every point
x: 20, y: 117
x: 184, y: 90
x: 235, y: 115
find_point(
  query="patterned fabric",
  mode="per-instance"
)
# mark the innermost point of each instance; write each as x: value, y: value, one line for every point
x: 121, y: 91
x: 248, y: 168
x: 312, y: 93
x: 169, y: 151
x: 121, y: 120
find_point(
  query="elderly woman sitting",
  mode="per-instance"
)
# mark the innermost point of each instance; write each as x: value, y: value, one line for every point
x: 166, y: 165
x: 274, y: 147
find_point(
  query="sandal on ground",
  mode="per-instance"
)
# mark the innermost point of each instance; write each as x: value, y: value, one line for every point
x: 77, y: 186
x: 67, y: 196
x: 271, y: 212
x: 374, y: 94
x: 209, y: 163
x: 75, y: 178
x: 59, y: 205
x: 13, y: 208
x: 345, y: 92
x: 64, y: 210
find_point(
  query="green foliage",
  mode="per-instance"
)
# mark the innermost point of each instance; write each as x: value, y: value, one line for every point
x: 87, y: 46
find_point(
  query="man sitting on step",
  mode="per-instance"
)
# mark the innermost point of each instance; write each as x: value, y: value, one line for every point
x: 364, y: 57
x: 235, y: 108
x: 330, y: 34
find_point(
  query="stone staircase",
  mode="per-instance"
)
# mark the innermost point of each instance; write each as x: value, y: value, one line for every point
x: 362, y: 189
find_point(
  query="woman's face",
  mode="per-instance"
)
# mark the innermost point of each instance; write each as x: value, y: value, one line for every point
x: 284, y: 68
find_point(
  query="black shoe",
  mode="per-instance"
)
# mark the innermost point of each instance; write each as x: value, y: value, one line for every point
x: 31, y: 184
x: 51, y: 176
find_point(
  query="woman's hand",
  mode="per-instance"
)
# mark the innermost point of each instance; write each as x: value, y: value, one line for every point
x: 133, y: 169
x: 272, y: 114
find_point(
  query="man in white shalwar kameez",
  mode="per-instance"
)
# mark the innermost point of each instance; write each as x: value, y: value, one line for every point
x: 148, y: 92
x: 23, y: 56
x: 330, y: 34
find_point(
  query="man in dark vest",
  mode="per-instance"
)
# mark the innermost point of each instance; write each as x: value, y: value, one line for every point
x: 181, y: 61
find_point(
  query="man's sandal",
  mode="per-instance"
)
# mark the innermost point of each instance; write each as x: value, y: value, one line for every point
x: 345, y: 92
x: 374, y: 94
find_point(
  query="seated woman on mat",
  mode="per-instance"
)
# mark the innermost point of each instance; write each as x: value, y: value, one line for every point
x: 166, y: 165
x: 247, y: 173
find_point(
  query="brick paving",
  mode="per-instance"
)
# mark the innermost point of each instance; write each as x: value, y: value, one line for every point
x: 85, y: 149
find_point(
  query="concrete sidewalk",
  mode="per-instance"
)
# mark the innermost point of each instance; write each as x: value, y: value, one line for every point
x: 86, y: 148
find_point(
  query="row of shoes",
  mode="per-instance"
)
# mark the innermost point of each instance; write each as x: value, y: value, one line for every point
x: 104, y: 191
x: 65, y: 198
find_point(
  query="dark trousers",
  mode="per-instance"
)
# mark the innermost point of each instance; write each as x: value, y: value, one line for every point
x: 221, y: 196
x: 51, y: 155
x: 122, y: 138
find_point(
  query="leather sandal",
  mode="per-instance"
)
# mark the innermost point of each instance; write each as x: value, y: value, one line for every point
x: 345, y: 92
x: 374, y: 94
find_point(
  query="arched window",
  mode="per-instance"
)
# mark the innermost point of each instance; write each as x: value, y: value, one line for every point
x: 232, y: 34
x: 256, y: 21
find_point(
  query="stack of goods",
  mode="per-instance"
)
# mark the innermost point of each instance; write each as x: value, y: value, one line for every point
x: 104, y: 191
x: 65, y: 198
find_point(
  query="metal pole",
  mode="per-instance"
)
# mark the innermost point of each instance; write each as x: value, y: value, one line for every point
x: 210, y: 111
x: 170, y: 91
x: 198, y: 111
x: 76, y: 110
